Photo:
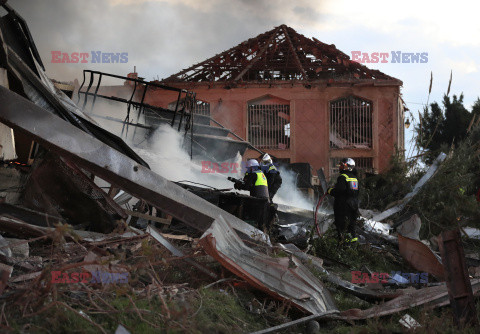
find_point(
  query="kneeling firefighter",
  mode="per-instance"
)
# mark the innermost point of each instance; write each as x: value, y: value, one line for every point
x: 346, y: 202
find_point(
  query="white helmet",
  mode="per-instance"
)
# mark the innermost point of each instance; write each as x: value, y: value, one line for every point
x: 266, y: 159
x: 347, y: 164
x: 252, y: 163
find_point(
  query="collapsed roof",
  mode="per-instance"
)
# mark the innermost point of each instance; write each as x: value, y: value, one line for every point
x: 280, y: 54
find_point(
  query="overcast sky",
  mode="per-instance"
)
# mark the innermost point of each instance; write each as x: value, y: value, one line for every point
x: 162, y: 37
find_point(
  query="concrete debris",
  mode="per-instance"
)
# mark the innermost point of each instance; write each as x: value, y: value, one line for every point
x: 411, y: 227
x: 408, y: 322
x: 368, y: 214
x: 471, y: 232
x: 20, y: 248
x: 294, y: 231
x: 371, y: 225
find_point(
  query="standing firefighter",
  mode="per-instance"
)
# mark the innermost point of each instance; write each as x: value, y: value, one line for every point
x: 345, y: 207
x: 274, y: 179
x: 254, y: 181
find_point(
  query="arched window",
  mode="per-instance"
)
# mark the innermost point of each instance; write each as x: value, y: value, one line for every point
x: 351, y: 123
x: 269, y: 123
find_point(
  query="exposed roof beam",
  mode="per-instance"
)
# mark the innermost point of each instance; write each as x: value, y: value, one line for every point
x: 258, y: 56
x: 295, y: 56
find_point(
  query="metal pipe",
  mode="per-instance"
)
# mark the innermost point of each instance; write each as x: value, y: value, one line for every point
x: 140, y: 108
x: 81, y: 86
x: 96, y: 91
x: 176, y: 107
x: 88, y: 89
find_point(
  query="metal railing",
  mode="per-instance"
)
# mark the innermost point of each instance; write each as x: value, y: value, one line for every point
x: 351, y: 123
x: 268, y: 126
x: 182, y: 108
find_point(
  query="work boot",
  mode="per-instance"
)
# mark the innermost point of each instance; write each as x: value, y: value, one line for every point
x: 351, y: 239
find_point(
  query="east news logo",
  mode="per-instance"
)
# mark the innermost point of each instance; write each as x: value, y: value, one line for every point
x: 393, y: 277
x: 102, y: 277
x: 84, y: 57
x: 396, y: 57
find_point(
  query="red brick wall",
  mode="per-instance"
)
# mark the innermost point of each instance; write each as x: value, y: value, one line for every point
x: 309, y: 109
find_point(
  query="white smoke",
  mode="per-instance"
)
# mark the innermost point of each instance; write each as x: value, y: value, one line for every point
x: 167, y: 156
x: 289, y: 194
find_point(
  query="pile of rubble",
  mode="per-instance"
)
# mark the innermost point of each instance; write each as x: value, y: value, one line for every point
x: 68, y: 243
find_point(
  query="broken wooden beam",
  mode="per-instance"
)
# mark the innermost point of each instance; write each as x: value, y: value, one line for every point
x: 21, y: 229
x: 148, y: 217
x: 458, y: 283
x: 431, y: 297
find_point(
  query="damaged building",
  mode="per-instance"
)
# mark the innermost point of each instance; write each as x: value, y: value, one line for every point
x: 73, y: 193
x: 299, y: 99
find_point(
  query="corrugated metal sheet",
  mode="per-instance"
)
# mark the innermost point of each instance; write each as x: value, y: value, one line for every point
x: 282, y: 278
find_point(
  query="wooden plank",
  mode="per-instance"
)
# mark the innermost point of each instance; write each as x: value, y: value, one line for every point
x: 25, y: 277
x: 148, y: 217
x: 458, y: 283
x: 177, y: 237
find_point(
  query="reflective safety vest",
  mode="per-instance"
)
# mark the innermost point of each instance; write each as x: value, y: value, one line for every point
x: 272, y: 167
x: 352, y: 182
x: 261, y: 179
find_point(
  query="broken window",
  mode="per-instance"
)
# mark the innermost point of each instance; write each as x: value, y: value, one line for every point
x: 201, y: 107
x: 269, y: 125
x: 351, y: 123
x: 361, y: 164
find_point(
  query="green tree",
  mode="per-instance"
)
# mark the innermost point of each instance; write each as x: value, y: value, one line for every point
x: 440, y: 128
x: 431, y: 132
x: 476, y: 108
x: 457, y: 119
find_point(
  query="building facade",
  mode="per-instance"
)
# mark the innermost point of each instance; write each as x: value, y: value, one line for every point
x: 298, y: 99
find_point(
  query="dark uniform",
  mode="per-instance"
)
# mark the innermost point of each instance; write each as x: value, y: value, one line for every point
x: 274, y: 179
x: 255, y: 182
x: 345, y: 207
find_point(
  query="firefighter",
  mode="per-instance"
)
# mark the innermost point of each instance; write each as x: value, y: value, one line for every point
x: 272, y: 174
x: 346, y: 202
x: 254, y: 181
